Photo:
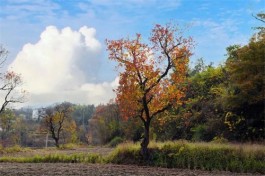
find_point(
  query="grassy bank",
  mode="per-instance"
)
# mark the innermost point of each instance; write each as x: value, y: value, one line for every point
x: 205, y: 156
x: 56, y: 158
x: 13, y: 149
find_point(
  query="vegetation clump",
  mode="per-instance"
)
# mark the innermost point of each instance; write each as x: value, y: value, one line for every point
x: 115, y: 141
x: 13, y: 149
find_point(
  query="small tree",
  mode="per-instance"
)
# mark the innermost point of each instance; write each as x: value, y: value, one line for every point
x: 152, y: 76
x: 9, y: 82
x: 7, y: 122
x: 55, y: 118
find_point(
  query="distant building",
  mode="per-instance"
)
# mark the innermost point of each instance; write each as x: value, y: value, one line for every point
x: 35, y: 114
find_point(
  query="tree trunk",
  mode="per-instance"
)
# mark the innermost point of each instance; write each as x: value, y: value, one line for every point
x: 56, y: 142
x: 46, y: 142
x: 145, y: 142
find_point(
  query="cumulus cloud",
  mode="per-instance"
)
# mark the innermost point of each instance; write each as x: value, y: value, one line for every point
x: 63, y: 66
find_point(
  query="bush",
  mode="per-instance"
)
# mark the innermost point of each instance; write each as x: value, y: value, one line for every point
x: 115, y: 141
x: 220, y: 140
x: 198, y: 133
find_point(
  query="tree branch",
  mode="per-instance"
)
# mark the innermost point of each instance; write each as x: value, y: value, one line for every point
x: 160, y: 110
x: 259, y: 18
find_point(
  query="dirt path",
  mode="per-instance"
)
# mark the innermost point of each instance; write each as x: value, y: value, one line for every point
x: 74, y: 169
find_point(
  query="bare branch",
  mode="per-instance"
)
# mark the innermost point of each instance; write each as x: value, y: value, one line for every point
x: 9, y: 82
x: 160, y: 110
x: 260, y: 17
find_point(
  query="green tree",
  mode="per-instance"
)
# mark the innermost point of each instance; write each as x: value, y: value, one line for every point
x: 199, y: 67
x: 201, y: 117
x: 244, y: 99
x: 7, y: 122
x: 82, y: 114
x: 203, y: 111
x: 105, y: 124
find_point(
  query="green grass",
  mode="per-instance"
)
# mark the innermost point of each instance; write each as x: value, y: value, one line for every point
x: 115, y: 141
x: 13, y: 149
x: 56, y: 158
x: 205, y: 156
x: 69, y: 146
x: 179, y: 154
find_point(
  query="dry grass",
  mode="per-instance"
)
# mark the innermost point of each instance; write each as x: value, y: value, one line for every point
x: 172, y: 154
x: 206, y: 156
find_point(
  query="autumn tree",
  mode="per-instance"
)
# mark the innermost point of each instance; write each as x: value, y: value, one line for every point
x: 9, y: 83
x: 55, y: 120
x: 152, y: 75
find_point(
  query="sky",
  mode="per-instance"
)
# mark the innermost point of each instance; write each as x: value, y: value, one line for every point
x: 58, y: 46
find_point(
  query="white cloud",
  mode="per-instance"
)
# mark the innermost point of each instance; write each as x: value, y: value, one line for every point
x: 63, y: 66
x: 88, y: 93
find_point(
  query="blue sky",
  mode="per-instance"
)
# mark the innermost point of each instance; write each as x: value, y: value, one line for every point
x: 214, y: 25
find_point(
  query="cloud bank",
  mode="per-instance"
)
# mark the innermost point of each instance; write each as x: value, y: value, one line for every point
x: 63, y: 66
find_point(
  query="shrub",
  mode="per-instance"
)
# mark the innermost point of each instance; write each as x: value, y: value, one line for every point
x: 220, y: 140
x: 115, y: 141
x: 198, y: 132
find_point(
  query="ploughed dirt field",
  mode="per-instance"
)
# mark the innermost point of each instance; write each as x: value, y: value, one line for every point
x: 77, y: 169
x: 80, y: 169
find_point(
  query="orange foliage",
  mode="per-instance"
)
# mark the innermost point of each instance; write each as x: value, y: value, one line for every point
x: 152, y: 76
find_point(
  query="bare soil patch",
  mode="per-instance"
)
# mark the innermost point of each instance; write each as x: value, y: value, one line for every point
x: 65, y: 169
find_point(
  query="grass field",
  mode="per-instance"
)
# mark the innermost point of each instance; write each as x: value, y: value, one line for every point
x: 180, y: 154
x: 204, y: 156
